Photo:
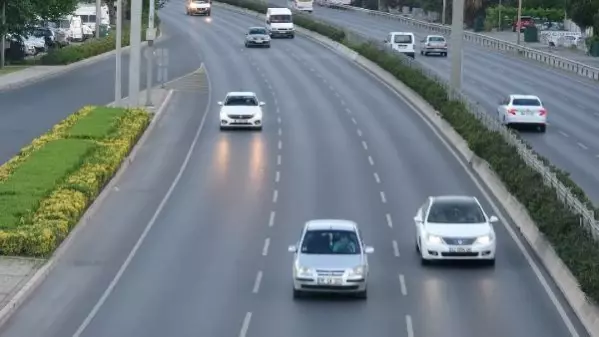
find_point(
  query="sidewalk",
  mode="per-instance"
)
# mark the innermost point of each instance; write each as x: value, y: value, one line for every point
x: 26, y: 76
x: 572, y: 54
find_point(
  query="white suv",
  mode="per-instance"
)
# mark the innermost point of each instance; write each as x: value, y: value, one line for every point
x: 241, y: 110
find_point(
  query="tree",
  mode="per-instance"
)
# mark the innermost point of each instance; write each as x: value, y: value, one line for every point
x: 21, y: 15
x: 583, y: 13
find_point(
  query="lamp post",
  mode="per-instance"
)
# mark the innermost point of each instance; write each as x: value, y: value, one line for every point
x: 3, y: 36
x: 98, y: 17
x: 135, y: 53
x: 444, y: 12
x: 118, y: 78
x: 519, y: 22
x: 150, y: 36
x: 457, y: 42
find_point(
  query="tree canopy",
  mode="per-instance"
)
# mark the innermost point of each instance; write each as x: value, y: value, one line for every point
x: 21, y: 14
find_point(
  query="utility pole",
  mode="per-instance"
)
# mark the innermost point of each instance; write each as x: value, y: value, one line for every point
x: 499, y: 17
x: 444, y: 14
x: 150, y: 36
x: 135, y: 53
x: 518, y: 26
x: 3, y: 36
x: 457, y: 42
x: 118, y: 78
x: 98, y: 17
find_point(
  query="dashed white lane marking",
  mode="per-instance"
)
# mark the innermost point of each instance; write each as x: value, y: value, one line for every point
x: 409, y: 326
x: 312, y: 69
x: 277, y: 176
x: 383, y: 198
x: 246, y: 324
x: 275, y: 100
x: 331, y: 88
x: 257, y: 282
x: 596, y: 114
x: 336, y: 94
x: 564, y: 134
x: 389, y: 221
x: 354, y: 121
x: 342, y: 102
x: 280, y: 131
x: 269, y: 86
x: 275, y: 196
x: 278, y: 111
x: 370, y: 160
x: 265, y: 248
x: 278, y: 159
x: 376, y: 177
x: 402, y: 284
x: 395, y: 249
x: 359, y: 133
x: 280, y: 145
x: 364, y: 145
x: 271, y: 219
x: 582, y: 146
x: 279, y: 120
x: 348, y: 110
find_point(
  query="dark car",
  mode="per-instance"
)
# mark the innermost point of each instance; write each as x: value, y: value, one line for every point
x: 257, y: 37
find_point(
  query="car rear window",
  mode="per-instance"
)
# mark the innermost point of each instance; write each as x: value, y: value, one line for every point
x: 403, y: 39
x: 436, y: 39
x: 526, y: 102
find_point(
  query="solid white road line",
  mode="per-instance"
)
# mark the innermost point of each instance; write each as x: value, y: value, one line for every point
x: 265, y: 248
x: 246, y: 324
x: 409, y: 326
x: 402, y: 284
x: 257, y: 282
x: 395, y: 249
x: 389, y: 221
x: 271, y: 220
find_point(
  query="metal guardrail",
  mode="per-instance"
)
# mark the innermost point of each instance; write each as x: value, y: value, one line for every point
x: 489, y: 42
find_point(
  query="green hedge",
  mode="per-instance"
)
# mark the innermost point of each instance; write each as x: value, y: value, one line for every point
x: 561, y: 226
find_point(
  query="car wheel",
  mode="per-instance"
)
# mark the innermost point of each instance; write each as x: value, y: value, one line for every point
x: 362, y: 294
x: 292, y: 36
x: 444, y: 54
x: 421, y: 52
x: 246, y: 45
x: 490, y: 263
x: 416, y: 245
x: 208, y: 14
x: 259, y: 128
x: 424, y: 261
x: 543, y: 128
x: 268, y: 46
x: 297, y: 294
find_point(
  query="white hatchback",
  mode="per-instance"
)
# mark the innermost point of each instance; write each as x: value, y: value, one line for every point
x: 454, y: 228
x: 241, y: 110
x: 522, y: 109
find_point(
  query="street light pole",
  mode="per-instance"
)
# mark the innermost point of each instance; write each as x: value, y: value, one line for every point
x: 98, y: 17
x: 118, y: 78
x: 3, y: 36
x: 457, y: 41
x: 135, y: 53
x: 499, y: 17
x: 150, y: 36
x: 519, y: 22
x: 444, y: 13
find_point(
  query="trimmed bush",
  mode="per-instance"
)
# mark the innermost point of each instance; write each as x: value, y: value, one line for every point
x: 47, y: 187
x: 560, y: 225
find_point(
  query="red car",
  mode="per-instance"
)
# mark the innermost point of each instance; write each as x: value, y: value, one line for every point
x: 525, y: 22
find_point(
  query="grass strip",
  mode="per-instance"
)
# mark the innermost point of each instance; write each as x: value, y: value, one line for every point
x: 98, y: 124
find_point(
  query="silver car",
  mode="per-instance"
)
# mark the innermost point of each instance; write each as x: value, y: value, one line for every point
x: 433, y: 44
x: 257, y: 37
x: 330, y: 257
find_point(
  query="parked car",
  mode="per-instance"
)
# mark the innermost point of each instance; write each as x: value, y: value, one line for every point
x: 525, y: 22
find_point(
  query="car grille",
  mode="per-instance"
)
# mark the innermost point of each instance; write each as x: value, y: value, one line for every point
x: 321, y: 272
x: 240, y: 116
x: 459, y: 241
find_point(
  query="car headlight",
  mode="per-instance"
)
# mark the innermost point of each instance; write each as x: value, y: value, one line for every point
x: 303, y: 271
x: 357, y: 271
x: 484, y: 240
x: 433, y: 239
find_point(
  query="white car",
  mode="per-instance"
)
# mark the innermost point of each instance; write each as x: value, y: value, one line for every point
x: 401, y: 42
x: 522, y: 109
x: 433, y: 44
x: 241, y: 110
x: 454, y: 228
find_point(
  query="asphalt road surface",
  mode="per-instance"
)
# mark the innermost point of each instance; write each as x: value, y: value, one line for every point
x: 571, y: 141
x: 214, y: 261
x: 28, y: 112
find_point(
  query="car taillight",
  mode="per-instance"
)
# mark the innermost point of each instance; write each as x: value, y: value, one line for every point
x: 512, y: 111
x: 542, y: 112
x: 428, y: 44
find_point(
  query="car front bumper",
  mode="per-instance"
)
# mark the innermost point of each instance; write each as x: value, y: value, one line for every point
x: 448, y: 252
x: 343, y: 285
x: 198, y: 11
x: 257, y: 43
x: 228, y: 122
x: 276, y: 33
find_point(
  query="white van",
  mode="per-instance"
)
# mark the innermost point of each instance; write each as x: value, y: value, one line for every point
x: 279, y: 22
x: 401, y: 42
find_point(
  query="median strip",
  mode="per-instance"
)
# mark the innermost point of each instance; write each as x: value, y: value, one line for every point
x: 47, y: 187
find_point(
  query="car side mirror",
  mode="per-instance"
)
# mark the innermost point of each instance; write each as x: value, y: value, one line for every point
x: 368, y: 250
x: 418, y: 218
x: 220, y: 103
x: 292, y: 249
x: 262, y: 104
x: 493, y: 219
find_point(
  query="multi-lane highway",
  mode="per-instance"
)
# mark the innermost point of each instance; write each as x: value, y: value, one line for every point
x: 213, y: 258
x: 571, y: 141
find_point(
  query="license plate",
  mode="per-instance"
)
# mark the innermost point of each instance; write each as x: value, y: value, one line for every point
x: 240, y: 121
x: 460, y: 250
x: 328, y: 280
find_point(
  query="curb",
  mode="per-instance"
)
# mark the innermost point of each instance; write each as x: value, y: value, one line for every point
x: 40, y: 275
x: 63, y: 69
x: 586, y: 312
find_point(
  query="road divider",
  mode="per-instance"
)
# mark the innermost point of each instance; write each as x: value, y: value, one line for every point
x: 554, y: 214
x: 46, y: 188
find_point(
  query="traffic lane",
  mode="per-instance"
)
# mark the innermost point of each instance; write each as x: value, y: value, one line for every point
x: 32, y: 110
x: 72, y: 288
x: 402, y: 146
x: 198, y: 262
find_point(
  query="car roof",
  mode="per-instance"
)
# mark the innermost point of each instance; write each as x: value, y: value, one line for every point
x: 241, y: 93
x: 524, y: 97
x: 339, y: 224
x: 256, y: 27
x: 453, y: 198
x: 276, y: 11
x: 441, y: 36
x: 402, y: 33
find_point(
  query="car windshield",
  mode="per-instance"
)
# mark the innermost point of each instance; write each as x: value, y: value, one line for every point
x: 283, y: 18
x: 526, y: 102
x: 456, y: 212
x: 258, y: 31
x: 331, y: 242
x: 403, y: 39
x: 241, y: 101
x: 436, y: 39
x: 41, y: 33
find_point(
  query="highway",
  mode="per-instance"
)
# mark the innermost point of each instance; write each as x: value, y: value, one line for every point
x: 214, y: 261
x: 570, y: 142
x: 29, y: 111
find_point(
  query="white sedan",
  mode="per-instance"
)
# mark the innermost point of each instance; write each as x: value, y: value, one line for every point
x: 522, y: 109
x: 454, y: 228
x: 241, y: 110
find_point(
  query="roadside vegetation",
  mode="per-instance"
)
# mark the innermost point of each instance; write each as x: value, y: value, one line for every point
x: 559, y: 224
x: 46, y: 188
